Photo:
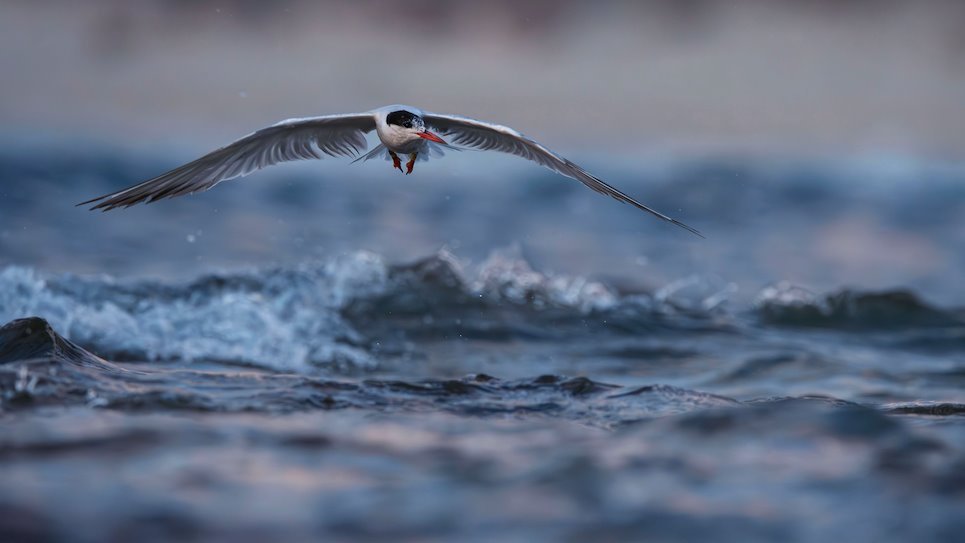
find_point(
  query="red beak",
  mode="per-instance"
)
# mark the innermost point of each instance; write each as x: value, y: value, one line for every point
x: 431, y: 137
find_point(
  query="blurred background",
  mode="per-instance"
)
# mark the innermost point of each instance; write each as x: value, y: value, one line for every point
x: 819, y: 142
x: 750, y: 75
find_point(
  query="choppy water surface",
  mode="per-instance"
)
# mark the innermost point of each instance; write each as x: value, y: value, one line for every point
x: 652, y: 387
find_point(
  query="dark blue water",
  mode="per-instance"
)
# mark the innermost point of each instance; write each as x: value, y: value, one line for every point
x: 483, y: 351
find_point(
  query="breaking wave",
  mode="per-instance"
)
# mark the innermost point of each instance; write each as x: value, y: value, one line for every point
x: 339, y: 313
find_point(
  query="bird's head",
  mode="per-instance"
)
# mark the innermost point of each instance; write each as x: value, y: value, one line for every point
x: 410, y: 124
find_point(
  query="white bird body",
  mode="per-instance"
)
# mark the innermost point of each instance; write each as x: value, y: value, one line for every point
x: 401, y: 130
x: 394, y: 137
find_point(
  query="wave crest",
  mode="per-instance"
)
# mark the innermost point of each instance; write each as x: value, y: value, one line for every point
x: 790, y: 305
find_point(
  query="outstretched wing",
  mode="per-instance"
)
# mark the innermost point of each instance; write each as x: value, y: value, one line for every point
x: 493, y: 137
x: 294, y: 139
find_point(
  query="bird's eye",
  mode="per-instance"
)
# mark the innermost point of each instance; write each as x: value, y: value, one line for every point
x: 407, y: 124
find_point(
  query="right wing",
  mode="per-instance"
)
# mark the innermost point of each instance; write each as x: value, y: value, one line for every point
x: 294, y: 139
x: 494, y: 137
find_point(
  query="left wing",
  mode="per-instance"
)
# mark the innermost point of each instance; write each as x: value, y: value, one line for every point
x: 493, y: 137
x: 294, y: 139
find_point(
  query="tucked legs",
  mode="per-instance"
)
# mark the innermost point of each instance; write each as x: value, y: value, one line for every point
x: 396, y: 163
x: 411, y: 163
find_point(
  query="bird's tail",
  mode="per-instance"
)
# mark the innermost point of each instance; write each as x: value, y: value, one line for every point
x: 436, y: 150
x: 374, y: 153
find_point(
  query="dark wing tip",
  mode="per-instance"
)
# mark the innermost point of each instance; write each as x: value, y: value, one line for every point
x: 104, y: 205
x: 690, y: 229
x: 599, y: 185
x: 115, y: 200
x: 91, y: 201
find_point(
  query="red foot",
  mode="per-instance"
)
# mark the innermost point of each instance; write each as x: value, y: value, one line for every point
x: 396, y: 163
x: 409, y: 165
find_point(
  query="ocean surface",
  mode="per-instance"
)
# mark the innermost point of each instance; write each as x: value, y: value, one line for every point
x: 483, y: 351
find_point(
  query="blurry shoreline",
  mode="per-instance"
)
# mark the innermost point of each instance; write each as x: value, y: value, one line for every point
x: 846, y: 77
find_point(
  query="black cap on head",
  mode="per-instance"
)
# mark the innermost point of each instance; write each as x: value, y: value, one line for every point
x: 401, y: 118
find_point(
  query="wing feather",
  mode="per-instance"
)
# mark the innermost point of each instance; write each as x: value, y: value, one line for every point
x: 293, y: 139
x: 494, y: 137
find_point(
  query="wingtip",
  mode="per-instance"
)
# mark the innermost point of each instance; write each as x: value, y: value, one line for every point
x: 93, y: 207
x: 91, y: 201
x: 104, y: 204
x: 690, y: 229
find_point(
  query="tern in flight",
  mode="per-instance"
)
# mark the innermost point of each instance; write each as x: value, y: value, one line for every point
x: 402, y: 130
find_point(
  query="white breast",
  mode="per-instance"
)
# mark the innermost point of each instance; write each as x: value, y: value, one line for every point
x: 398, y: 139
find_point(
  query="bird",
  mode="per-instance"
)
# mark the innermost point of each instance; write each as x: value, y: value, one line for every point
x: 402, y: 130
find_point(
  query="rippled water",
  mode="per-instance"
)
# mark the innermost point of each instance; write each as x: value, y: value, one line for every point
x: 651, y: 387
